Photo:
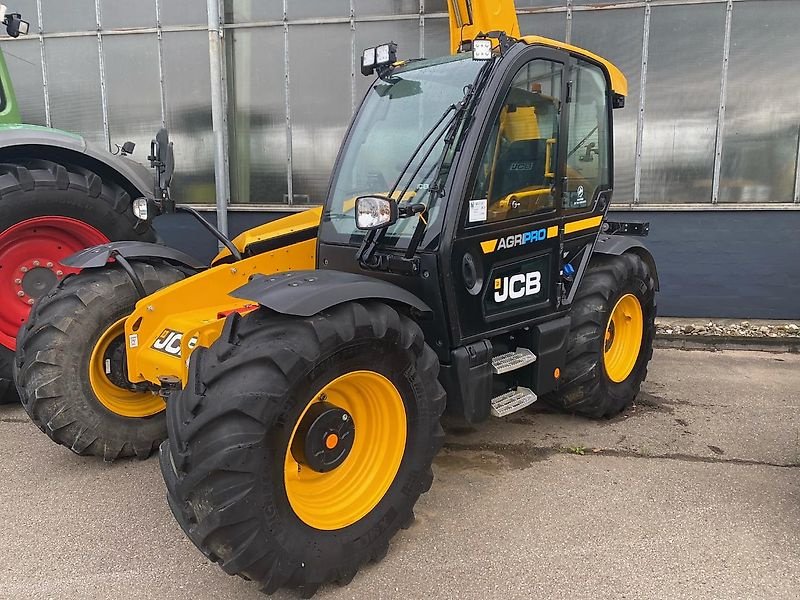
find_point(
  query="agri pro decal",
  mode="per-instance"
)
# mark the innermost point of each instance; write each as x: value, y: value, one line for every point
x: 520, y: 239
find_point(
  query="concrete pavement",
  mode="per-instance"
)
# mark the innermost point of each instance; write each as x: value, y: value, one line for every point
x: 694, y: 493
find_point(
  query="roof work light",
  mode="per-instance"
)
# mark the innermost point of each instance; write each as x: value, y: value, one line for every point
x: 378, y: 58
x: 481, y: 49
x: 15, y: 25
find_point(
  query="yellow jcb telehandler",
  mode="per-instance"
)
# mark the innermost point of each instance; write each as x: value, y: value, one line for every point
x: 306, y: 372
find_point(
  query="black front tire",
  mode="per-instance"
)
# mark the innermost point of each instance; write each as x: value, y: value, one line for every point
x: 54, y: 349
x: 585, y: 386
x: 229, y: 428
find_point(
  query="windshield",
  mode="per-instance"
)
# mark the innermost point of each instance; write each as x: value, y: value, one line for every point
x: 396, y: 116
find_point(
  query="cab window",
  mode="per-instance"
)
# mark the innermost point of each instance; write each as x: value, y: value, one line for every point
x: 588, y: 149
x: 516, y: 175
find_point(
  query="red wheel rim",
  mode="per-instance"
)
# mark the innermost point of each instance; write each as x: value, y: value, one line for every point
x: 30, y: 252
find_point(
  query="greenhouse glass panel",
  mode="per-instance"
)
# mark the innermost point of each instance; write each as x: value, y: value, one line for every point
x: 682, y: 103
x: 759, y: 149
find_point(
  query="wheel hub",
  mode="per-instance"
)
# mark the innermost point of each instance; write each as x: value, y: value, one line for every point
x: 109, y: 381
x: 610, y: 331
x: 360, y: 468
x: 324, y: 438
x: 38, y: 280
x: 114, y: 363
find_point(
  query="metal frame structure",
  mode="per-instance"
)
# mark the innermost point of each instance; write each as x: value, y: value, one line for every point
x: 217, y: 29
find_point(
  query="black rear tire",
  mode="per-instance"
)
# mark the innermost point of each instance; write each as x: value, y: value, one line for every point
x: 33, y: 187
x: 52, y: 362
x: 585, y: 388
x: 229, y: 428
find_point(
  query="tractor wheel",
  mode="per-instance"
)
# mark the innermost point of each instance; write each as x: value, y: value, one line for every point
x: 610, y: 339
x: 299, y: 446
x: 71, y: 370
x: 47, y: 212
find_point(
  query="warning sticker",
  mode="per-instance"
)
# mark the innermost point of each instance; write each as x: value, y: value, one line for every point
x: 477, y: 210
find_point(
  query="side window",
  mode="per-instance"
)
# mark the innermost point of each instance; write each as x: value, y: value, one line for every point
x: 517, y: 171
x: 587, y: 148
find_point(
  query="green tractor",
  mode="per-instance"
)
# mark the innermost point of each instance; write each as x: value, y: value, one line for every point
x: 57, y: 196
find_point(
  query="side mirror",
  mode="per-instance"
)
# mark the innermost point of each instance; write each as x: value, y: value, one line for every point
x: 375, y: 212
x: 162, y: 159
x: 15, y: 26
x: 166, y: 156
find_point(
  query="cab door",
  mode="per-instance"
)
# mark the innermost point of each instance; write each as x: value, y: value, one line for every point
x: 506, y: 255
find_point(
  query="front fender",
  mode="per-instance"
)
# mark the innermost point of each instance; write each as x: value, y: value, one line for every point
x: 305, y: 293
x: 98, y: 256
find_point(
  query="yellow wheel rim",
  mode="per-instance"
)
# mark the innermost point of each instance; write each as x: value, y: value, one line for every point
x: 125, y: 403
x: 347, y: 493
x: 623, y: 338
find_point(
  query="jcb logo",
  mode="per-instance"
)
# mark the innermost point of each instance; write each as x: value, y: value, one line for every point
x: 517, y: 286
x: 169, y: 342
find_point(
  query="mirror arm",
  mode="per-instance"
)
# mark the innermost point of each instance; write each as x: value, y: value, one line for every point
x: 416, y: 237
x: 366, y: 251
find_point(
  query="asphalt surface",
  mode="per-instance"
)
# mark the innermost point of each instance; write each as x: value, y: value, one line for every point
x: 693, y: 493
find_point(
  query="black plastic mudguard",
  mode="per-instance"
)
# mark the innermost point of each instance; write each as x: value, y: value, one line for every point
x: 305, y: 293
x: 98, y: 256
x: 467, y: 379
x: 616, y: 245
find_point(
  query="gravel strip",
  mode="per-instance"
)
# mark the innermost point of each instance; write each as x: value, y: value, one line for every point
x: 727, y: 328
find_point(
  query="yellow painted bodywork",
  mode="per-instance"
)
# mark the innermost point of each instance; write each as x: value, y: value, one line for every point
x: 195, y: 308
x: 619, y: 84
x: 284, y: 226
x: 582, y: 224
x: 468, y: 19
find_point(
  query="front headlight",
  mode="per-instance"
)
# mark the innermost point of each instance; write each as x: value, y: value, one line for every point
x: 140, y: 206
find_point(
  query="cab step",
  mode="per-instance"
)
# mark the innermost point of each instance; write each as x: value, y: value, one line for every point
x: 512, y: 401
x: 511, y: 361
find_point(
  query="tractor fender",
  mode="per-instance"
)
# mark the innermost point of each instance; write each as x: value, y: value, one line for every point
x: 98, y: 256
x: 615, y: 245
x: 33, y: 141
x: 305, y: 293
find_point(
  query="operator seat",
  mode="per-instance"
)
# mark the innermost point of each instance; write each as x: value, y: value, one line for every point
x: 521, y: 153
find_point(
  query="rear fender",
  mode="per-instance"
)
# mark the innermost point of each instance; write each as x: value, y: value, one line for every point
x: 616, y: 245
x: 33, y: 141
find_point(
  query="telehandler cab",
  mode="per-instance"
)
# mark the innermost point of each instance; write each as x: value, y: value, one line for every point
x: 462, y: 260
